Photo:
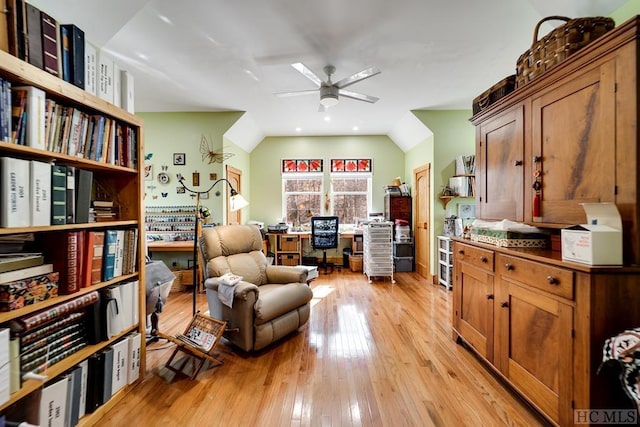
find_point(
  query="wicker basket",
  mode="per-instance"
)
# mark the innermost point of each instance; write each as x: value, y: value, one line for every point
x: 178, y: 284
x: 559, y: 44
x: 503, y: 88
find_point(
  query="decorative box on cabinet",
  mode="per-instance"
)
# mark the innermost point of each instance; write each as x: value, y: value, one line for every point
x: 540, y: 323
x: 122, y: 182
x: 445, y: 261
x: 574, y: 131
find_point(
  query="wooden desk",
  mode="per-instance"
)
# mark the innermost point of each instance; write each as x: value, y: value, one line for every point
x: 287, y: 247
x: 177, y: 246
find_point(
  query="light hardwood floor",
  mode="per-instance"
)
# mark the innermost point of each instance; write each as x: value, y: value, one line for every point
x: 371, y: 355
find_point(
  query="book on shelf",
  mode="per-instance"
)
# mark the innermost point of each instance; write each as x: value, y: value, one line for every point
x: 16, y: 261
x: 64, y: 249
x: 107, y: 379
x: 82, y: 400
x: 133, y: 373
x: 4, y: 27
x: 53, y: 403
x: 15, y: 199
x: 105, y: 76
x: 16, y: 19
x: 117, y: 85
x: 113, y: 311
x: 58, y: 194
x: 76, y: 54
x: 95, y: 249
x: 6, y: 110
x: 22, y: 292
x: 109, y: 255
x: 127, y: 86
x: 119, y: 258
x: 74, y: 377
x: 35, y: 117
x: 83, y: 186
x: 120, y: 365
x: 5, y: 365
x: 18, y: 116
x: 95, y: 378
x: 32, y: 321
x: 49, y: 43
x: 40, y: 191
x: 90, y: 67
x: 465, y: 165
x: 71, y: 195
x: 34, y: 36
x: 65, y: 53
x: 25, y: 273
x: 14, y: 365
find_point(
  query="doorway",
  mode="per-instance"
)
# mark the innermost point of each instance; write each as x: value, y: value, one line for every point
x: 235, y: 178
x: 421, y: 234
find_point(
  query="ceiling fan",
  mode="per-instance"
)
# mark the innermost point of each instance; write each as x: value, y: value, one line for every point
x: 330, y: 91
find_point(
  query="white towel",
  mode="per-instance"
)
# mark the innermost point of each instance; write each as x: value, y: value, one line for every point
x: 226, y: 288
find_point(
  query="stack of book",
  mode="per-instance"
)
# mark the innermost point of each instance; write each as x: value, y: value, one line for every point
x: 102, y: 211
x: 25, y: 279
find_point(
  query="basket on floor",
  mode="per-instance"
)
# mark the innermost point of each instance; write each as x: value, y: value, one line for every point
x: 178, y: 284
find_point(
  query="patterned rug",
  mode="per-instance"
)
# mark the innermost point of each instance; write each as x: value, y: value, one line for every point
x: 624, y: 349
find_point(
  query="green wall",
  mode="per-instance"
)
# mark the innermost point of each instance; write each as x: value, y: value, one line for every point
x: 627, y: 11
x: 169, y: 133
x: 266, y: 186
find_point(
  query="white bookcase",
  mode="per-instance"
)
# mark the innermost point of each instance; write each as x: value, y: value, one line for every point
x: 378, y: 250
x: 445, y: 261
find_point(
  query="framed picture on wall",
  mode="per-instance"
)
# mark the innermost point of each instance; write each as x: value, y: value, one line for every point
x: 179, y: 159
x: 466, y: 210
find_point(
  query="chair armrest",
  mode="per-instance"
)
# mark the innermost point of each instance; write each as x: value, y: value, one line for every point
x: 241, y: 290
x: 280, y: 274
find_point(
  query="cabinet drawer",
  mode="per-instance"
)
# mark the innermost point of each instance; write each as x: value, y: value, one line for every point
x: 481, y: 258
x: 289, y: 243
x: 557, y: 281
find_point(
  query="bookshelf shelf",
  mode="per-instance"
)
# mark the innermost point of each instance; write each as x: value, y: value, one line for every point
x: 122, y: 184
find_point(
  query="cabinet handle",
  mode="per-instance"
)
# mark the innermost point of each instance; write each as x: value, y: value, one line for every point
x: 552, y: 280
x: 508, y: 266
x: 504, y: 304
x: 517, y: 163
x: 483, y: 258
x: 537, y: 159
x: 489, y: 296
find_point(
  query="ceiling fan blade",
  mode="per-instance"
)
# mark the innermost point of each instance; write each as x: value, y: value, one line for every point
x: 358, y: 96
x: 296, y: 93
x: 364, y: 74
x: 306, y: 71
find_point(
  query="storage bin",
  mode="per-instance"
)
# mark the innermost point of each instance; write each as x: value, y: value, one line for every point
x: 403, y: 264
x: 288, y: 243
x: 355, y: 261
x: 289, y: 259
x: 401, y: 249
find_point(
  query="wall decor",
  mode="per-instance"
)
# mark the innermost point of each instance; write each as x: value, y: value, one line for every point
x: 195, y: 178
x: 163, y: 178
x: 214, y: 156
x: 301, y: 165
x: 180, y: 190
x: 213, y: 176
x: 351, y: 165
x: 148, y: 172
x: 204, y: 196
x: 466, y: 210
x: 179, y: 159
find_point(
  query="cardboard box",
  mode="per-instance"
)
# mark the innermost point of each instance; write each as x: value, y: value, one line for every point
x: 599, y: 242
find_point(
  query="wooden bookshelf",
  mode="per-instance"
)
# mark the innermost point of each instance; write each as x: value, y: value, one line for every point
x: 125, y: 184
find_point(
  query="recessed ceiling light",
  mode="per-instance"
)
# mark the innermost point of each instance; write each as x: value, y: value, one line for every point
x: 298, y: 129
x: 356, y: 128
x: 250, y: 74
x: 165, y: 19
x: 142, y: 56
x: 327, y: 118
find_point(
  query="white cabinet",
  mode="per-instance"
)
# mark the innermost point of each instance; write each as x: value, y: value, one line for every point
x: 378, y: 250
x: 445, y: 261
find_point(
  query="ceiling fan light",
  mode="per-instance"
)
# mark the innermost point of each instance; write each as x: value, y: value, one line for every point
x: 329, y: 100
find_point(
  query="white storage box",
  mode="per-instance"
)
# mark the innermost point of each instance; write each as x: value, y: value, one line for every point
x: 599, y: 242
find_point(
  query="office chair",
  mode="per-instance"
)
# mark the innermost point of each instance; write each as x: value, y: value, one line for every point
x: 324, y: 235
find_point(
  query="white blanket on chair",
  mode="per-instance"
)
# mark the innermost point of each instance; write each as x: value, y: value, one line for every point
x: 226, y: 288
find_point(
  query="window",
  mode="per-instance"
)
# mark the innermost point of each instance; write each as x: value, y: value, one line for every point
x: 350, y: 196
x: 302, y: 196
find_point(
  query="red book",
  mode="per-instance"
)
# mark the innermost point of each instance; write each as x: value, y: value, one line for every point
x: 94, y: 257
x: 65, y: 250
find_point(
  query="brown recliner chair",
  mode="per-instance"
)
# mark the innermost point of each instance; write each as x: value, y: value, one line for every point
x: 268, y: 304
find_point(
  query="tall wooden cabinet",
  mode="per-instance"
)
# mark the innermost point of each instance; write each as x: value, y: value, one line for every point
x: 540, y: 322
x: 397, y: 207
x: 125, y: 184
x: 575, y: 128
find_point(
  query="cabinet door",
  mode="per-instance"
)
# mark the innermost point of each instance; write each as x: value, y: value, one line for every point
x: 534, y: 347
x: 573, y: 130
x: 398, y: 207
x: 473, y: 307
x: 499, y: 177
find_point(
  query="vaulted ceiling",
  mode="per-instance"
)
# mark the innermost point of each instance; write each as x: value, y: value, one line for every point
x: 222, y: 55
